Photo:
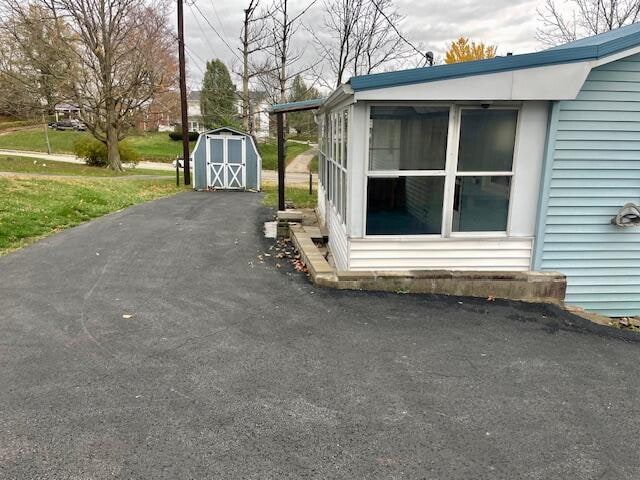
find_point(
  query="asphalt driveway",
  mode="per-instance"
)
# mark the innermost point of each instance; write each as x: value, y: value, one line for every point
x: 152, y: 343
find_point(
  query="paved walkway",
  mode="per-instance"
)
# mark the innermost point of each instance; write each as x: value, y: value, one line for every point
x: 300, y: 164
x: 269, y: 177
x: 95, y: 177
x: 161, y: 342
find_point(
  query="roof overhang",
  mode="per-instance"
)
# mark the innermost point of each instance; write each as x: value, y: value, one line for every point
x: 300, y: 106
x: 554, y: 74
x: 558, y: 82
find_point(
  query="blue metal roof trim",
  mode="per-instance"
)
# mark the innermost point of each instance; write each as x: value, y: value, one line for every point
x: 572, y: 53
x: 601, y: 38
x: 301, y: 104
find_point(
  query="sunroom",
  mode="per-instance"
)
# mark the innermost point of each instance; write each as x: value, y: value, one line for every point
x: 510, y: 169
x: 431, y: 185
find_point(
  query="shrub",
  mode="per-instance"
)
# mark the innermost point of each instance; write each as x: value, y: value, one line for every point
x: 177, y: 136
x: 94, y: 152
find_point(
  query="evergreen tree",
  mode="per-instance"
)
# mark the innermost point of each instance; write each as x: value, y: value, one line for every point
x: 217, y: 97
x: 302, y: 122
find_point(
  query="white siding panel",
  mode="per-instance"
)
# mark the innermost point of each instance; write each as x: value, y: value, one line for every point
x: 506, y: 254
x: 320, y: 207
x: 338, y: 241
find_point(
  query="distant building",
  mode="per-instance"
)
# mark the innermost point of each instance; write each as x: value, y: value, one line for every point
x: 194, y: 113
x: 66, y: 111
x: 259, y: 113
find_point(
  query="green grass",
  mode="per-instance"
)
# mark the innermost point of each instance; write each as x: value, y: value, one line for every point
x: 269, y: 153
x: 33, y: 140
x: 150, y: 146
x: 314, y: 164
x: 157, y: 146
x: 33, y: 208
x: 34, y: 165
x: 6, y: 124
x: 298, y: 197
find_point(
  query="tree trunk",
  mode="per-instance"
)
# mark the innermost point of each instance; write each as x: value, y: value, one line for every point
x: 46, y: 133
x: 113, y: 154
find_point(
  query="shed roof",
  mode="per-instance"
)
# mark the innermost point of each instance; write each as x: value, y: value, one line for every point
x: 228, y: 129
x: 591, y: 48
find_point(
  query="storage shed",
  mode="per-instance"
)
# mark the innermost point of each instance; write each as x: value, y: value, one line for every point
x: 516, y: 163
x: 226, y: 159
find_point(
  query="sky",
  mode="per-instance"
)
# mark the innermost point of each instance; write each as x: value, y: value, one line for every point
x: 509, y: 24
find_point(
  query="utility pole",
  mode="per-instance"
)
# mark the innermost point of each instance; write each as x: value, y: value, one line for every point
x: 183, y: 95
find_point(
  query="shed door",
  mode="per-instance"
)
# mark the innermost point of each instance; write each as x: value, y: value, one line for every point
x: 236, y: 163
x: 226, y: 162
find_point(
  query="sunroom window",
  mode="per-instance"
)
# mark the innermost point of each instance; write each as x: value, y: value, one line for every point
x: 407, y: 159
x: 485, y: 168
x: 412, y: 187
x: 408, y: 138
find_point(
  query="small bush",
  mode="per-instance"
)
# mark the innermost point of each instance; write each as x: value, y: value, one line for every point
x: 94, y: 152
x: 177, y: 136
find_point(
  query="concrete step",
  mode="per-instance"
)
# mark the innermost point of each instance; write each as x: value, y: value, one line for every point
x: 316, y: 234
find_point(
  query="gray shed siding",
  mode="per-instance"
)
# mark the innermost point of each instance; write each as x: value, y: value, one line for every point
x: 252, y: 166
x: 200, y: 166
x: 592, y: 169
x: 199, y: 156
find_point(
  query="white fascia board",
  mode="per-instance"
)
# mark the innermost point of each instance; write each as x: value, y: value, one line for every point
x: 552, y: 82
x: 341, y: 94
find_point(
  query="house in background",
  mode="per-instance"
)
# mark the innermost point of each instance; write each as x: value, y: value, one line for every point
x: 166, y: 117
x: 259, y: 108
x: 516, y: 163
x: 194, y: 114
x: 66, y: 111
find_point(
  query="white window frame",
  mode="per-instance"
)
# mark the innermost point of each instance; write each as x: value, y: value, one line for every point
x: 334, y: 167
x: 450, y: 172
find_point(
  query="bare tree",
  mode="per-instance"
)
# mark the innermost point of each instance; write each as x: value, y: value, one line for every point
x: 122, y: 49
x: 573, y: 19
x: 285, y: 59
x: 362, y: 37
x: 33, y: 62
x: 255, y: 37
x: 382, y: 43
x: 342, y: 21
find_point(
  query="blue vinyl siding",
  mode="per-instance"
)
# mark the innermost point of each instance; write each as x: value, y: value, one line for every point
x: 592, y: 169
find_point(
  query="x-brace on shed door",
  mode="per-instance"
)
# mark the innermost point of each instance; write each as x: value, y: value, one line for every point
x: 226, y: 162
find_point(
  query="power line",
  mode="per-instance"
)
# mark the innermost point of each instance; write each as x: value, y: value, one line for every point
x: 206, y: 37
x: 421, y: 53
x: 232, y: 50
x: 215, y: 11
x: 190, y: 55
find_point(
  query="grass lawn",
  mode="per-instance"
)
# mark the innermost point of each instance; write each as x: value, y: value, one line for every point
x: 34, y: 165
x: 157, y: 146
x: 150, y: 146
x: 269, y: 153
x: 33, y: 208
x: 299, y: 197
x: 32, y: 139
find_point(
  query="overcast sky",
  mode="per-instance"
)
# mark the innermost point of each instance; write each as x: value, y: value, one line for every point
x: 509, y: 24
